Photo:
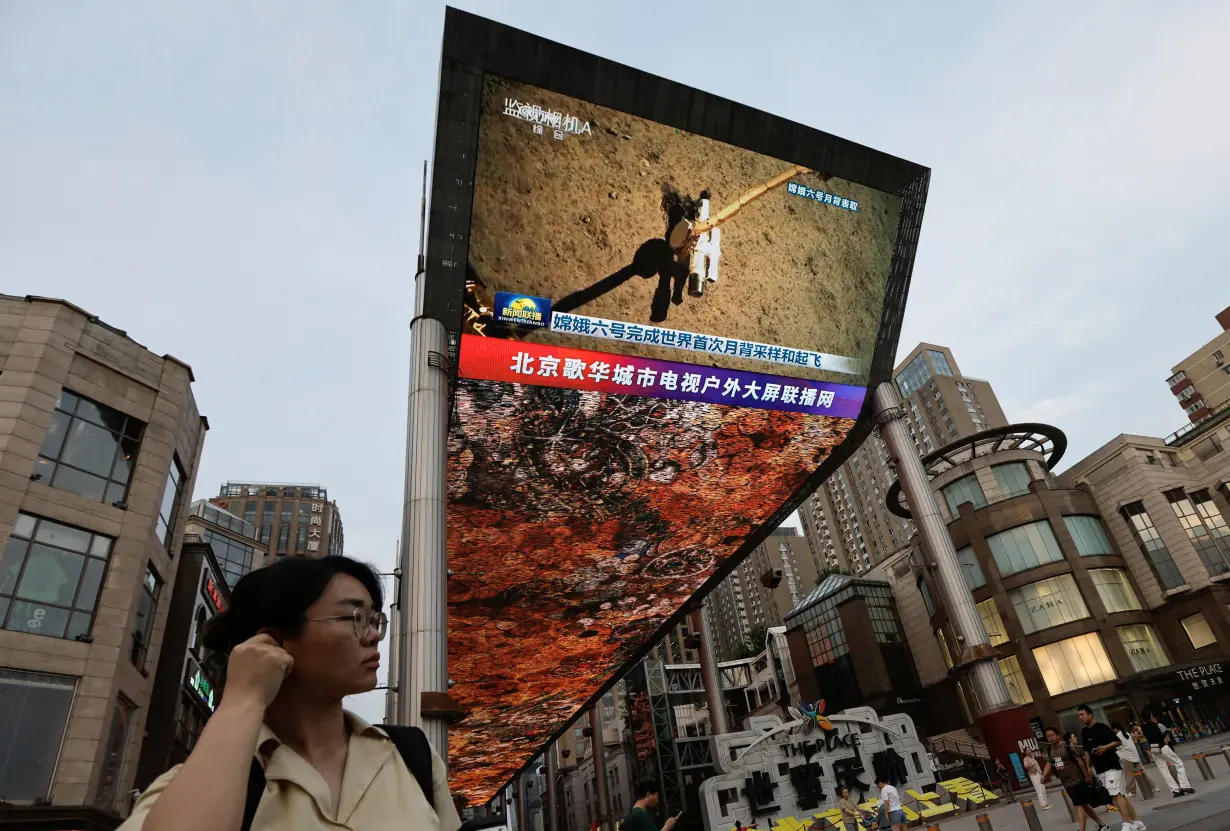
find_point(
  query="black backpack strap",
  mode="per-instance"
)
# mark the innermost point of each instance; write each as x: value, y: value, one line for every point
x: 256, y: 789
x: 415, y: 751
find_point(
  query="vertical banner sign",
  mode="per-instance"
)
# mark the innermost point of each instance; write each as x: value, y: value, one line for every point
x: 664, y: 336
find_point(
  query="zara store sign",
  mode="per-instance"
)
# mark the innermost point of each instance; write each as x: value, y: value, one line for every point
x: 782, y: 769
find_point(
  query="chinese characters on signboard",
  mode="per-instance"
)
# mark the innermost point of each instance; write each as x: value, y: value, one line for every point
x: 314, y: 527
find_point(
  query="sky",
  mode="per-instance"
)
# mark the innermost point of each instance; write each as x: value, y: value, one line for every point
x: 237, y: 183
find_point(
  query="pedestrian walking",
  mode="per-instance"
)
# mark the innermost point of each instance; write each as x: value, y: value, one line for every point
x: 1101, y: 744
x: 1034, y: 771
x: 1142, y: 743
x: 852, y: 816
x: 1005, y: 779
x: 1161, y: 742
x: 1129, y: 759
x: 890, y: 806
x: 1067, y: 761
x: 640, y: 817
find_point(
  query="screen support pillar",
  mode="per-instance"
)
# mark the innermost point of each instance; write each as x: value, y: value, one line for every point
x: 990, y: 689
x: 423, y: 683
x: 599, y: 749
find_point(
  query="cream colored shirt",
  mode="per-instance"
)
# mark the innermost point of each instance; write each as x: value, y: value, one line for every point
x: 378, y: 792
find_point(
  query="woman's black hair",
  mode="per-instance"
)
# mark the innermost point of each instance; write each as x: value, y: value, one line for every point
x: 278, y: 596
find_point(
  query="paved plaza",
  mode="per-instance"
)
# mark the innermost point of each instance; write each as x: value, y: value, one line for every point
x: 1207, y: 810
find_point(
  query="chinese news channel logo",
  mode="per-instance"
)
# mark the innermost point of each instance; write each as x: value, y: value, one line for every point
x: 522, y: 310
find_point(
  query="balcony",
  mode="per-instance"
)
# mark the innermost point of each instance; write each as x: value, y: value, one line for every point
x: 1187, y: 432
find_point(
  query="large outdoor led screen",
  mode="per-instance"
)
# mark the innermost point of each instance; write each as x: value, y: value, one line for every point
x: 664, y: 336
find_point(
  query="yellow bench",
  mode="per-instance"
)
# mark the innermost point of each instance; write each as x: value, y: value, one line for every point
x: 930, y: 805
x: 872, y: 806
x: 967, y: 791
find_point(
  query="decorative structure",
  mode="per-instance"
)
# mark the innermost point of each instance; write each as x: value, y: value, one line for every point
x: 780, y: 770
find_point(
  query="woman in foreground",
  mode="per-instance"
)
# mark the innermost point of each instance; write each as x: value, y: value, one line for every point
x: 299, y: 636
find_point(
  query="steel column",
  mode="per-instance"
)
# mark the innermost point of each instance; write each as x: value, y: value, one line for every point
x: 423, y: 607
x: 714, y: 698
x: 599, y: 751
x: 988, y: 683
x: 550, y: 817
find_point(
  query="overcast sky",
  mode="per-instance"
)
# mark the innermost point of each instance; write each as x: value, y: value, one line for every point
x: 236, y: 184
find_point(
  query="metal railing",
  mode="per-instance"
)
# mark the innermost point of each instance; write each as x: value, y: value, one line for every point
x: 1208, y: 421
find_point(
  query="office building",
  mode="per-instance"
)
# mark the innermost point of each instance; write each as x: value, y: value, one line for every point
x: 1201, y: 381
x: 1166, y: 504
x: 1098, y: 587
x: 848, y: 648
x: 845, y: 519
x: 290, y: 518
x: 761, y: 591
x: 99, y: 443
x: 186, y: 686
x: 233, y: 540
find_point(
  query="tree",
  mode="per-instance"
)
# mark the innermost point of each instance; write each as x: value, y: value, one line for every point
x: 753, y: 643
x: 831, y: 570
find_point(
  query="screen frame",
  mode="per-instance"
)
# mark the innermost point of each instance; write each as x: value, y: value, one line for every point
x: 475, y: 46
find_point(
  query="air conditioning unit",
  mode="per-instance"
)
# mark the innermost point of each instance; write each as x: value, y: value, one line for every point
x: 772, y: 578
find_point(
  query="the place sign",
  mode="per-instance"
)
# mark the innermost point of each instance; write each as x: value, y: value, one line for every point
x: 1209, y: 675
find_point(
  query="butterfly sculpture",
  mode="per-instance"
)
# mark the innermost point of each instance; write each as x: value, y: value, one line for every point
x: 812, y: 716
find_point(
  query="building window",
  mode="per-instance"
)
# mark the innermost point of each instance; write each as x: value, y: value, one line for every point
x: 1074, y: 664
x: 1115, y: 589
x: 1089, y: 535
x: 90, y: 449
x: 117, y: 749
x: 1212, y: 516
x: 1024, y: 547
x: 284, y: 536
x: 1154, y: 548
x: 33, y: 715
x: 1198, y: 631
x: 965, y: 489
x: 50, y: 576
x: 926, y: 596
x: 169, y: 510
x: 1015, y: 679
x: 1013, y: 478
x: 1048, y: 603
x: 249, y: 513
x: 943, y: 642
x: 233, y: 556
x: 913, y: 376
x: 143, y: 626
x: 940, y: 361
x: 1143, y: 646
x: 970, y: 569
x: 1211, y: 550
x: 993, y: 623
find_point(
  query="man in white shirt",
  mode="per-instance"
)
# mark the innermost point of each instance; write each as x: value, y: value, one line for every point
x: 1161, y: 742
x: 890, y: 806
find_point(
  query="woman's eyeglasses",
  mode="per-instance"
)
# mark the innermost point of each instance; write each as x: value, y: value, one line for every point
x: 364, y: 622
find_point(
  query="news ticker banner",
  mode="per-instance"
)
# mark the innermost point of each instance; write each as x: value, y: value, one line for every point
x: 597, y: 327
x: 498, y: 359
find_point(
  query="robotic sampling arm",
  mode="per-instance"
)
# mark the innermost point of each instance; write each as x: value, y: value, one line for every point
x: 698, y: 242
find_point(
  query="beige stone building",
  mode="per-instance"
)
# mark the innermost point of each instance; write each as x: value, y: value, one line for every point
x: 1201, y: 381
x: 292, y: 518
x: 845, y: 519
x: 233, y: 540
x: 99, y: 444
x: 1107, y: 585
